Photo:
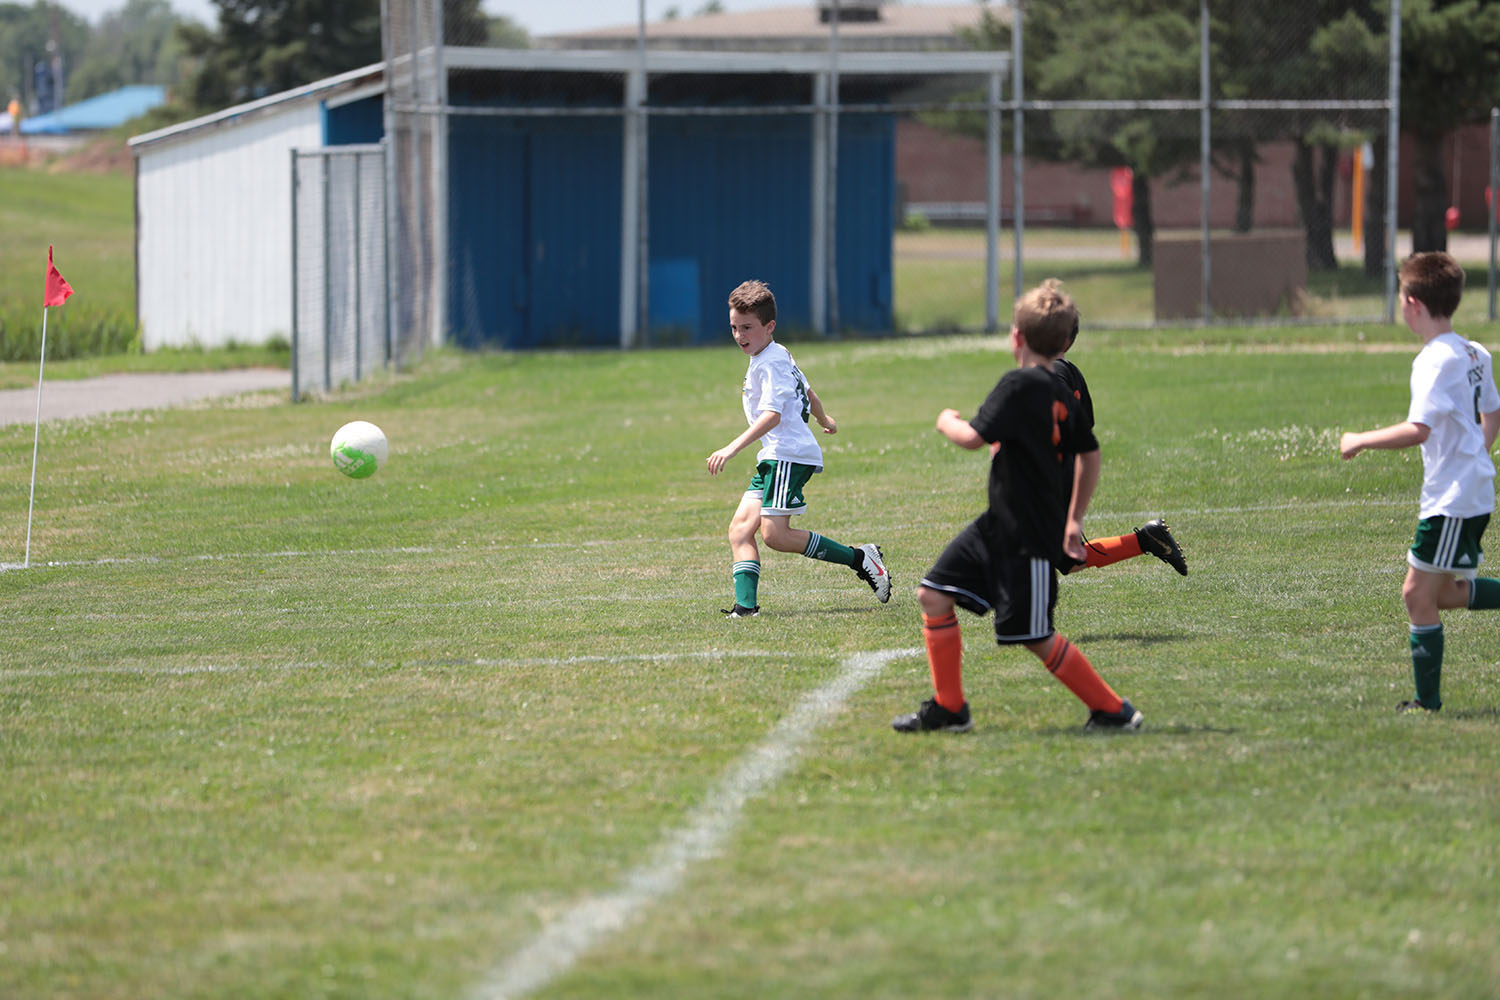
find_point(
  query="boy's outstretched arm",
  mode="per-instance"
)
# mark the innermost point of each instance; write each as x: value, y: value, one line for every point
x: 1403, y: 435
x: 829, y: 425
x: 1491, y: 424
x: 754, y: 432
x: 958, y: 430
x: 1086, y: 468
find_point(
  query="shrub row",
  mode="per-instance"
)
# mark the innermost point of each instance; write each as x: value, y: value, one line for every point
x: 76, y: 331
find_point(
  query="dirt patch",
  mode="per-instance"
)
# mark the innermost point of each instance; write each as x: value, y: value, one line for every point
x: 107, y: 154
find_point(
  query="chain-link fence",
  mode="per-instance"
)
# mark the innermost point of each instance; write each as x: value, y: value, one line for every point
x: 889, y: 167
x: 340, y: 332
x: 1250, y: 144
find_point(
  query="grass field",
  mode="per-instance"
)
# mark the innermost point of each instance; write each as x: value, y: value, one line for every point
x: 475, y: 727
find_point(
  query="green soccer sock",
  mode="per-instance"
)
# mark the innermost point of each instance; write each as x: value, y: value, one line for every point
x: 746, y: 581
x: 1427, y: 663
x: 1484, y: 594
x: 828, y: 550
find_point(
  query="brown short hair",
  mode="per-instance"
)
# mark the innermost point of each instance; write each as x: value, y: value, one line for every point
x: 1434, y: 279
x: 754, y: 297
x: 1047, y: 318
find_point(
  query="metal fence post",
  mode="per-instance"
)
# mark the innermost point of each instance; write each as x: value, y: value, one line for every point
x: 359, y: 299
x: 1393, y: 153
x: 992, y: 161
x: 1205, y: 163
x: 1018, y: 141
x: 327, y: 293
x: 296, y: 334
x: 1492, y: 209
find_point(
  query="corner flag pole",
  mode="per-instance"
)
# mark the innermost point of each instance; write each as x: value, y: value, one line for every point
x: 36, y: 437
x: 56, y: 294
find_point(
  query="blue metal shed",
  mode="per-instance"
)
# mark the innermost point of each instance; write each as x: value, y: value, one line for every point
x: 536, y: 241
x: 356, y: 122
x: 534, y: 231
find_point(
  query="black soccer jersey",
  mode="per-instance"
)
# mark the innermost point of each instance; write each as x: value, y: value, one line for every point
x: 1036, y: 418
x: 1073, y: 378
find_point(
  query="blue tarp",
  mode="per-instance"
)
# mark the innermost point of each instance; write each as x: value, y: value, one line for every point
x: 97, y: 113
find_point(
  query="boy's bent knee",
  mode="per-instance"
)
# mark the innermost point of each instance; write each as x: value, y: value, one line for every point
x: 934, y: 603
x: 779, y: 536
x: 742, y: 529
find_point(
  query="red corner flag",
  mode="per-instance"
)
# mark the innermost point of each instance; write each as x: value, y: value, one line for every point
x: 58, y: 288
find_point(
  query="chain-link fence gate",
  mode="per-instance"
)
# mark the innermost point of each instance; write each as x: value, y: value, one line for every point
x: 340, y: 314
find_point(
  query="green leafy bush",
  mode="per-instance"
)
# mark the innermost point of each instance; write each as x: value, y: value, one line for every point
x: 73, y: 331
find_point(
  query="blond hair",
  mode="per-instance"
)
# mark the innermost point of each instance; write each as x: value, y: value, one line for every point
x: 1047, y: 318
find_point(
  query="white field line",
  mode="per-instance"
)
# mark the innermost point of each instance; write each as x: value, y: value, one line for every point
x: 566, y: 939
x: 148, y: 670
x: 1175, y: 515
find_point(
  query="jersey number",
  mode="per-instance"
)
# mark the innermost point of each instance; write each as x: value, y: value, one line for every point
x: 802, y: 393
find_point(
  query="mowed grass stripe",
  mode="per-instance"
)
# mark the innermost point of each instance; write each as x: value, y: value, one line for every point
x: 230, y: 668
x: 560, y: 944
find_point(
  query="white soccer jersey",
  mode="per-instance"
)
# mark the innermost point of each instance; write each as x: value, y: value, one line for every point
x: 773, y: 382
x: 1452, y: 383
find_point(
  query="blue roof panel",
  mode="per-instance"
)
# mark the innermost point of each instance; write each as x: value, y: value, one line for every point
x: 98, y: 113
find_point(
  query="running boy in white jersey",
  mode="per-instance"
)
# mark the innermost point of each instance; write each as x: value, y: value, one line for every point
x: 778, y: 402
x: 1454, y: 416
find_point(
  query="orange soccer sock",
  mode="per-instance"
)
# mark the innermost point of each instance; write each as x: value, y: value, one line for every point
x: 1104, y: 551
x: 945, y: 658
x: 1070, y: 666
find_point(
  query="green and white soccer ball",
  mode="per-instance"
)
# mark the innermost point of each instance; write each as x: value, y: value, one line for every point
x: 359, y: 448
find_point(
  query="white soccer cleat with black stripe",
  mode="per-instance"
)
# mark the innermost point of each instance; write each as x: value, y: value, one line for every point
x: 872, y: 570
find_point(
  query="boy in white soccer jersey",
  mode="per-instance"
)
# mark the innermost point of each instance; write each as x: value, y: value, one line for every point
x: 1454, y: 416
x: 778, y: 402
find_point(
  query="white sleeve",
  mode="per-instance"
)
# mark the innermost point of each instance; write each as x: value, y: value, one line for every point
x: 1427, y: 405
x: 1489, y: 396
x: 778, y: 390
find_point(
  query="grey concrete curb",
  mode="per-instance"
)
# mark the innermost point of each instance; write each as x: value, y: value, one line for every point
x: 65, y: 399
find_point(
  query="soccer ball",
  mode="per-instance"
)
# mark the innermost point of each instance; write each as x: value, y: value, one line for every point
x: 359, y: 448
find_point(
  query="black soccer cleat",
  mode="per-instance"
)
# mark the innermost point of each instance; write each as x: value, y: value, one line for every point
x: 1408, y: 707
x: 932, y: 717
x: 1156, y: 538
x: 1128, y: 717
x: 740, y: 611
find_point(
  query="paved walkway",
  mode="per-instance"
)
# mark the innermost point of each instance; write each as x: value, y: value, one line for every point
x: 64, y: 399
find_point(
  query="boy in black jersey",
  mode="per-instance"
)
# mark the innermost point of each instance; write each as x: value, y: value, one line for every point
x: 1007, y: 559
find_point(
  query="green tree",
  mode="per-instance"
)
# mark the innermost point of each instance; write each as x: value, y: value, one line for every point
x: 260, y: 47
x: 1314, y: 50
x: 1099, y: 50
x: 1080, y: 50
x: 1450, y: 76
x: 26, y: 34
x: 505, y: 33
x: 1334, y: 53
x: 136, y: 44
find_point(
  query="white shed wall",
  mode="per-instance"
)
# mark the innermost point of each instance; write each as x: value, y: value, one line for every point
x: 213, y: 231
